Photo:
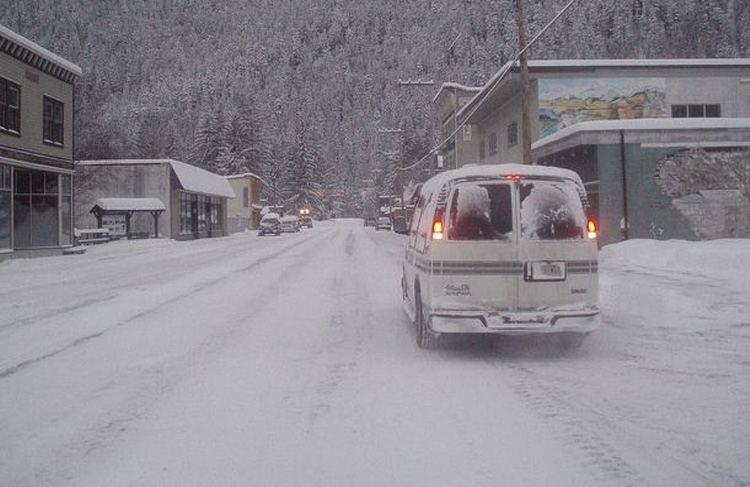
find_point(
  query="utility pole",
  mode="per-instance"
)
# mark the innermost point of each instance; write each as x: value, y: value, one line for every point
x: 525, y: 115
x: 396, y: 135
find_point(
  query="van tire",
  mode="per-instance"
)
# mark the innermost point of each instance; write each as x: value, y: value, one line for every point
x: 426, y: 338
x: 571, y: 341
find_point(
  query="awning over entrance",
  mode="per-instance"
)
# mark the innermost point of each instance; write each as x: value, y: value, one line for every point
x: 121, y: 205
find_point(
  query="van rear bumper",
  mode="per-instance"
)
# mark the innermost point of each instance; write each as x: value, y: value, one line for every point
x: 515, y: 322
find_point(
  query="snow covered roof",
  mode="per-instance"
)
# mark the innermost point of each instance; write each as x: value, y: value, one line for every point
x: 36, y: 55
x: 499, y: 171
x: 244, y: 175
x: 198, y: 180
x: 191, y: 178
x: 637, y: 63
x: 645, y: 124
x: 130, y: 204
x: 455, y: 86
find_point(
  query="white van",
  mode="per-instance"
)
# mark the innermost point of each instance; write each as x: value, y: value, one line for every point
x: 503, y: 249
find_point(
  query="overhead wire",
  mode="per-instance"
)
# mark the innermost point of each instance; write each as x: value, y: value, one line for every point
x: 487, y: 91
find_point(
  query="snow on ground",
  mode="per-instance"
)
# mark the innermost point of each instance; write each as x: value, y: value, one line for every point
x: 288, y: 361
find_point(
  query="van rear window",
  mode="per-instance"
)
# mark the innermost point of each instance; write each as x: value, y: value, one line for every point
x: 551, y: 211
x: 480, y: 212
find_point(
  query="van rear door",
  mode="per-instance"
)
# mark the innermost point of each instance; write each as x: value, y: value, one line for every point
x: 475, y: 265
x: 559, y: 262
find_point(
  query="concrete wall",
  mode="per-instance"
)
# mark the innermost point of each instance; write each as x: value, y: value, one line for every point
x: 717, y: 213
x: 733, y: 96
x: 33, y: 89
x: 124, y: 181
x: 651, y: 213
x: 499, y: 120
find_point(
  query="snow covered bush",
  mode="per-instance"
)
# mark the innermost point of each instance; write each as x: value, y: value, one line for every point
x: 694, y: 170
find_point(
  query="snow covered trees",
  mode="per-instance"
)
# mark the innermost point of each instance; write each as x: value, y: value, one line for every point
x: 222, y: 84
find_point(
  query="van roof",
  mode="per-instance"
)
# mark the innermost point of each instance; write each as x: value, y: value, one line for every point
x: 498, y: 171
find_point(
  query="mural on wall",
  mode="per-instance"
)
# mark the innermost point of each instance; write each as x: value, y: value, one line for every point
x: 567, y: 101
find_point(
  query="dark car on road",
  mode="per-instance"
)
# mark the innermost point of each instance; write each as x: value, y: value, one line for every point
x: 270, y: 224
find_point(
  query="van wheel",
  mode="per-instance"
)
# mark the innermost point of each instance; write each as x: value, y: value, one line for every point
x: 426, y: 338
x: 571, y: 341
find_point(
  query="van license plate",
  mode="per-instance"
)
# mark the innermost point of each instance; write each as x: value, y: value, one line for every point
x: 545, y: 271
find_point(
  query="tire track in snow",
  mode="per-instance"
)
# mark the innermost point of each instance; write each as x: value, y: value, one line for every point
x: 9, y: 371
x: 147, y: 382
x: 153, y: 274
x: 554, y: 407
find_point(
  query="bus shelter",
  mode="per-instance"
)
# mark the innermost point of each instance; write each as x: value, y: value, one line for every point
x: 115, y: 214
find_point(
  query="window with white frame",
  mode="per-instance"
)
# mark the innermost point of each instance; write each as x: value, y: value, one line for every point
x: 53, y: 121
x: 697, y: 110
x: 10, y: 107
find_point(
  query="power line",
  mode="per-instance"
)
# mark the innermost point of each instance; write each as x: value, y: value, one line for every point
x: 494, y: 84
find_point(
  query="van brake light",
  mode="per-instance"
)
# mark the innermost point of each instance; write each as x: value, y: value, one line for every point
x: 437, y: 230
x: 591, y: 229
x: 517, y: 177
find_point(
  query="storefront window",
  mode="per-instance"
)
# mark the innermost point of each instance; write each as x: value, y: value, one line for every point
x: 36, y: 210
x: 22, y: 221
x: 44, y: 221
x: 66, y: 210
x: 5, y: 206
x: 201, y: 213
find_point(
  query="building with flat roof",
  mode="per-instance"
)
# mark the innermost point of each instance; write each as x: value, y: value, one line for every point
x: 123, y: 195
x: 611, y: 121
x: 36, y: 148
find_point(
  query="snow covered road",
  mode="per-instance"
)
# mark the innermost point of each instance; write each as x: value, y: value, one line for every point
x: 287, y: 361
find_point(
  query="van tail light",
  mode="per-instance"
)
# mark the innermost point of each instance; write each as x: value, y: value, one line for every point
x: 516, y: 177
x: 437, y: 230
x: 591, y: 229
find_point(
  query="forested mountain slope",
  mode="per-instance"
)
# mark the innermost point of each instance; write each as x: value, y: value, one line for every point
x: 296, y: 90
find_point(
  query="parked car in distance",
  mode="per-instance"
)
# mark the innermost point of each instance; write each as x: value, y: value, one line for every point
x: 290, y: 224
x: 384, y: 223
x: 270, y: 224
x: 399, y: 225
x: 371, y: 221
x: 502, y: 250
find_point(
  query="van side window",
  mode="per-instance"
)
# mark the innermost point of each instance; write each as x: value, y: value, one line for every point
x: 418, y: 210
x: 425, y: 223
x: 480, y: 212
x: 551, y: 211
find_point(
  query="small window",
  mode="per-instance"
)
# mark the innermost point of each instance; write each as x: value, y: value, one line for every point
x: 713, y: 111
x: 512, y: 134
x: 245, y: 197
x: 480, y: 212
x: 53, y: 121
x: 695, y: 111
x: 551, y: 211
x: 10, y: 107
x: 492, y: 144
